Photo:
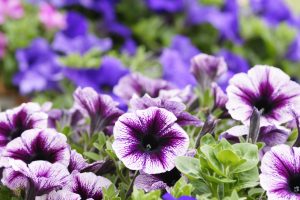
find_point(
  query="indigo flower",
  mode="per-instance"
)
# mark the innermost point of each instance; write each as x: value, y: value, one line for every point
x: 86, y: 185
x: 38, y: 68
x: 15, y: 121
x: 10, y: 8
x: 149, y: 182
x: 39, y: 177
x: 165, y: 5
x: 137, y: 84
x: 235, y: 64
x: 270, y: 135
x: 168, y: 196
x: 3, y: 45
x: 101, y: 109
x: 293, y: 52
x: 178, y: 109
x: 268, y: 89
x: 176, y: 61
x: 76, y: 39
x: 149, y: 140
x: 280, y: 172
x: 207, y: 69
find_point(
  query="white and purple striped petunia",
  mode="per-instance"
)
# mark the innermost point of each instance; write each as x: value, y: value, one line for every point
x: 39, y: 144
x: 149, y: 140
x: 38, y: 178
x: 101, y: 109
x: 86, y: 185
x: 280, y: 173
x: 15, y: 121
x: 268, y: 89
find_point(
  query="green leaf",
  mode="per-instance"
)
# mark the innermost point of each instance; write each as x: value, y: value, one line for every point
x: 228, y: 157
x: 248, y: 152
x: 141, y: 195
x: 207, y: 139
x: 212, y: 161
x: 110, y: 193
x: 215, y: 179
x: 247, y: 179
x: 92, y: 155
x: 188, y: 166
x: 182, y: 188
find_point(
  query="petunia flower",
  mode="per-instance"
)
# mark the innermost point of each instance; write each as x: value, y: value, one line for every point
x: 178, y: 109
x: 268, y: 89
x: 39, y: 69
x: 280, y: 174
x: 207, y: 69
x: 86, y: 185
x: 10, y: 8
x: 220, y: 98
x: 39, y: 144
x: 101, y: 109
x: 50, y: 17
x: 149, y: 182
x: 270, y: 135
x: 38, y: 178
x: 15, y: 121
x: 149, y: 140
x: 165, y: 5
x: 137, y: 84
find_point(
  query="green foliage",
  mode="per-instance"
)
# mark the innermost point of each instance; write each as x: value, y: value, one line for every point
x: 221, y: 167
x: 141, y: 195
x: 182, y: 188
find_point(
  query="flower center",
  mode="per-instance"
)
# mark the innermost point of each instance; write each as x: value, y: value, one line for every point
x: 106, y: 88
x: 264, y: 103
x: 150, y: 142
x: 294, y: 183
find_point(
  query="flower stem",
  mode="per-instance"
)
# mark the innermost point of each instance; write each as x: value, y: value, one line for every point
x: 130, y: 189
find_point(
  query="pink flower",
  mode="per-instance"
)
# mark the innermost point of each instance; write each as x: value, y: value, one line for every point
x: 10, y: 8
x: 51, y: 18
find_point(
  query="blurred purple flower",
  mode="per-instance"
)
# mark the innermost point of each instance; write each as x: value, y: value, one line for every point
x: 168, y: 196
x: 137, y: 84
x: 235, y: 64
x: 101, y: 109
x: 149, y: 140
x: 72, y: 118
x: 176, y: 61
x: 220, y: 98
x: 50, y: 17
x: 10, y: 8
x: 38, y: 68
x: 268, y: 89
x: 39, y: 177
x: 293, y: 52
x: 14, y: 122
x: 178, y: 109
x: 3, y: 45
x: 225, y: 20
x: 207, y: 69
x: 76, y: 39
x: 149, y: 182
x: 272, y: 11
x: 39, y: 144
x: 86, y: 185
x: 170, y: 6
x: 280, y: 168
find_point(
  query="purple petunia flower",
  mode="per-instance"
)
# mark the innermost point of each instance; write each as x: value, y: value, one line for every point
x: 76, y: 39
x: 165, y: 5
x: 178, y: 109
x: 39, y: 144
x: 15, y: 121
x: 10, y: 8
x: 86, y: 185
x: 220, y: 98
x: 149, y: 182
x: 268, y: 89
x: 168, y: 196
x: 185, y: 95
x: 176, y: 61
x: 38, y: 178
x: 137, y: 84
x: 207, y: 69
x: 149, y: 140
x: 101, y: 109
x: 293, y: 52
x: 235, y: 64
x: 50, y: 17
x: 280, y: 174
x: 270, y: 135
x: 38, y: 68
